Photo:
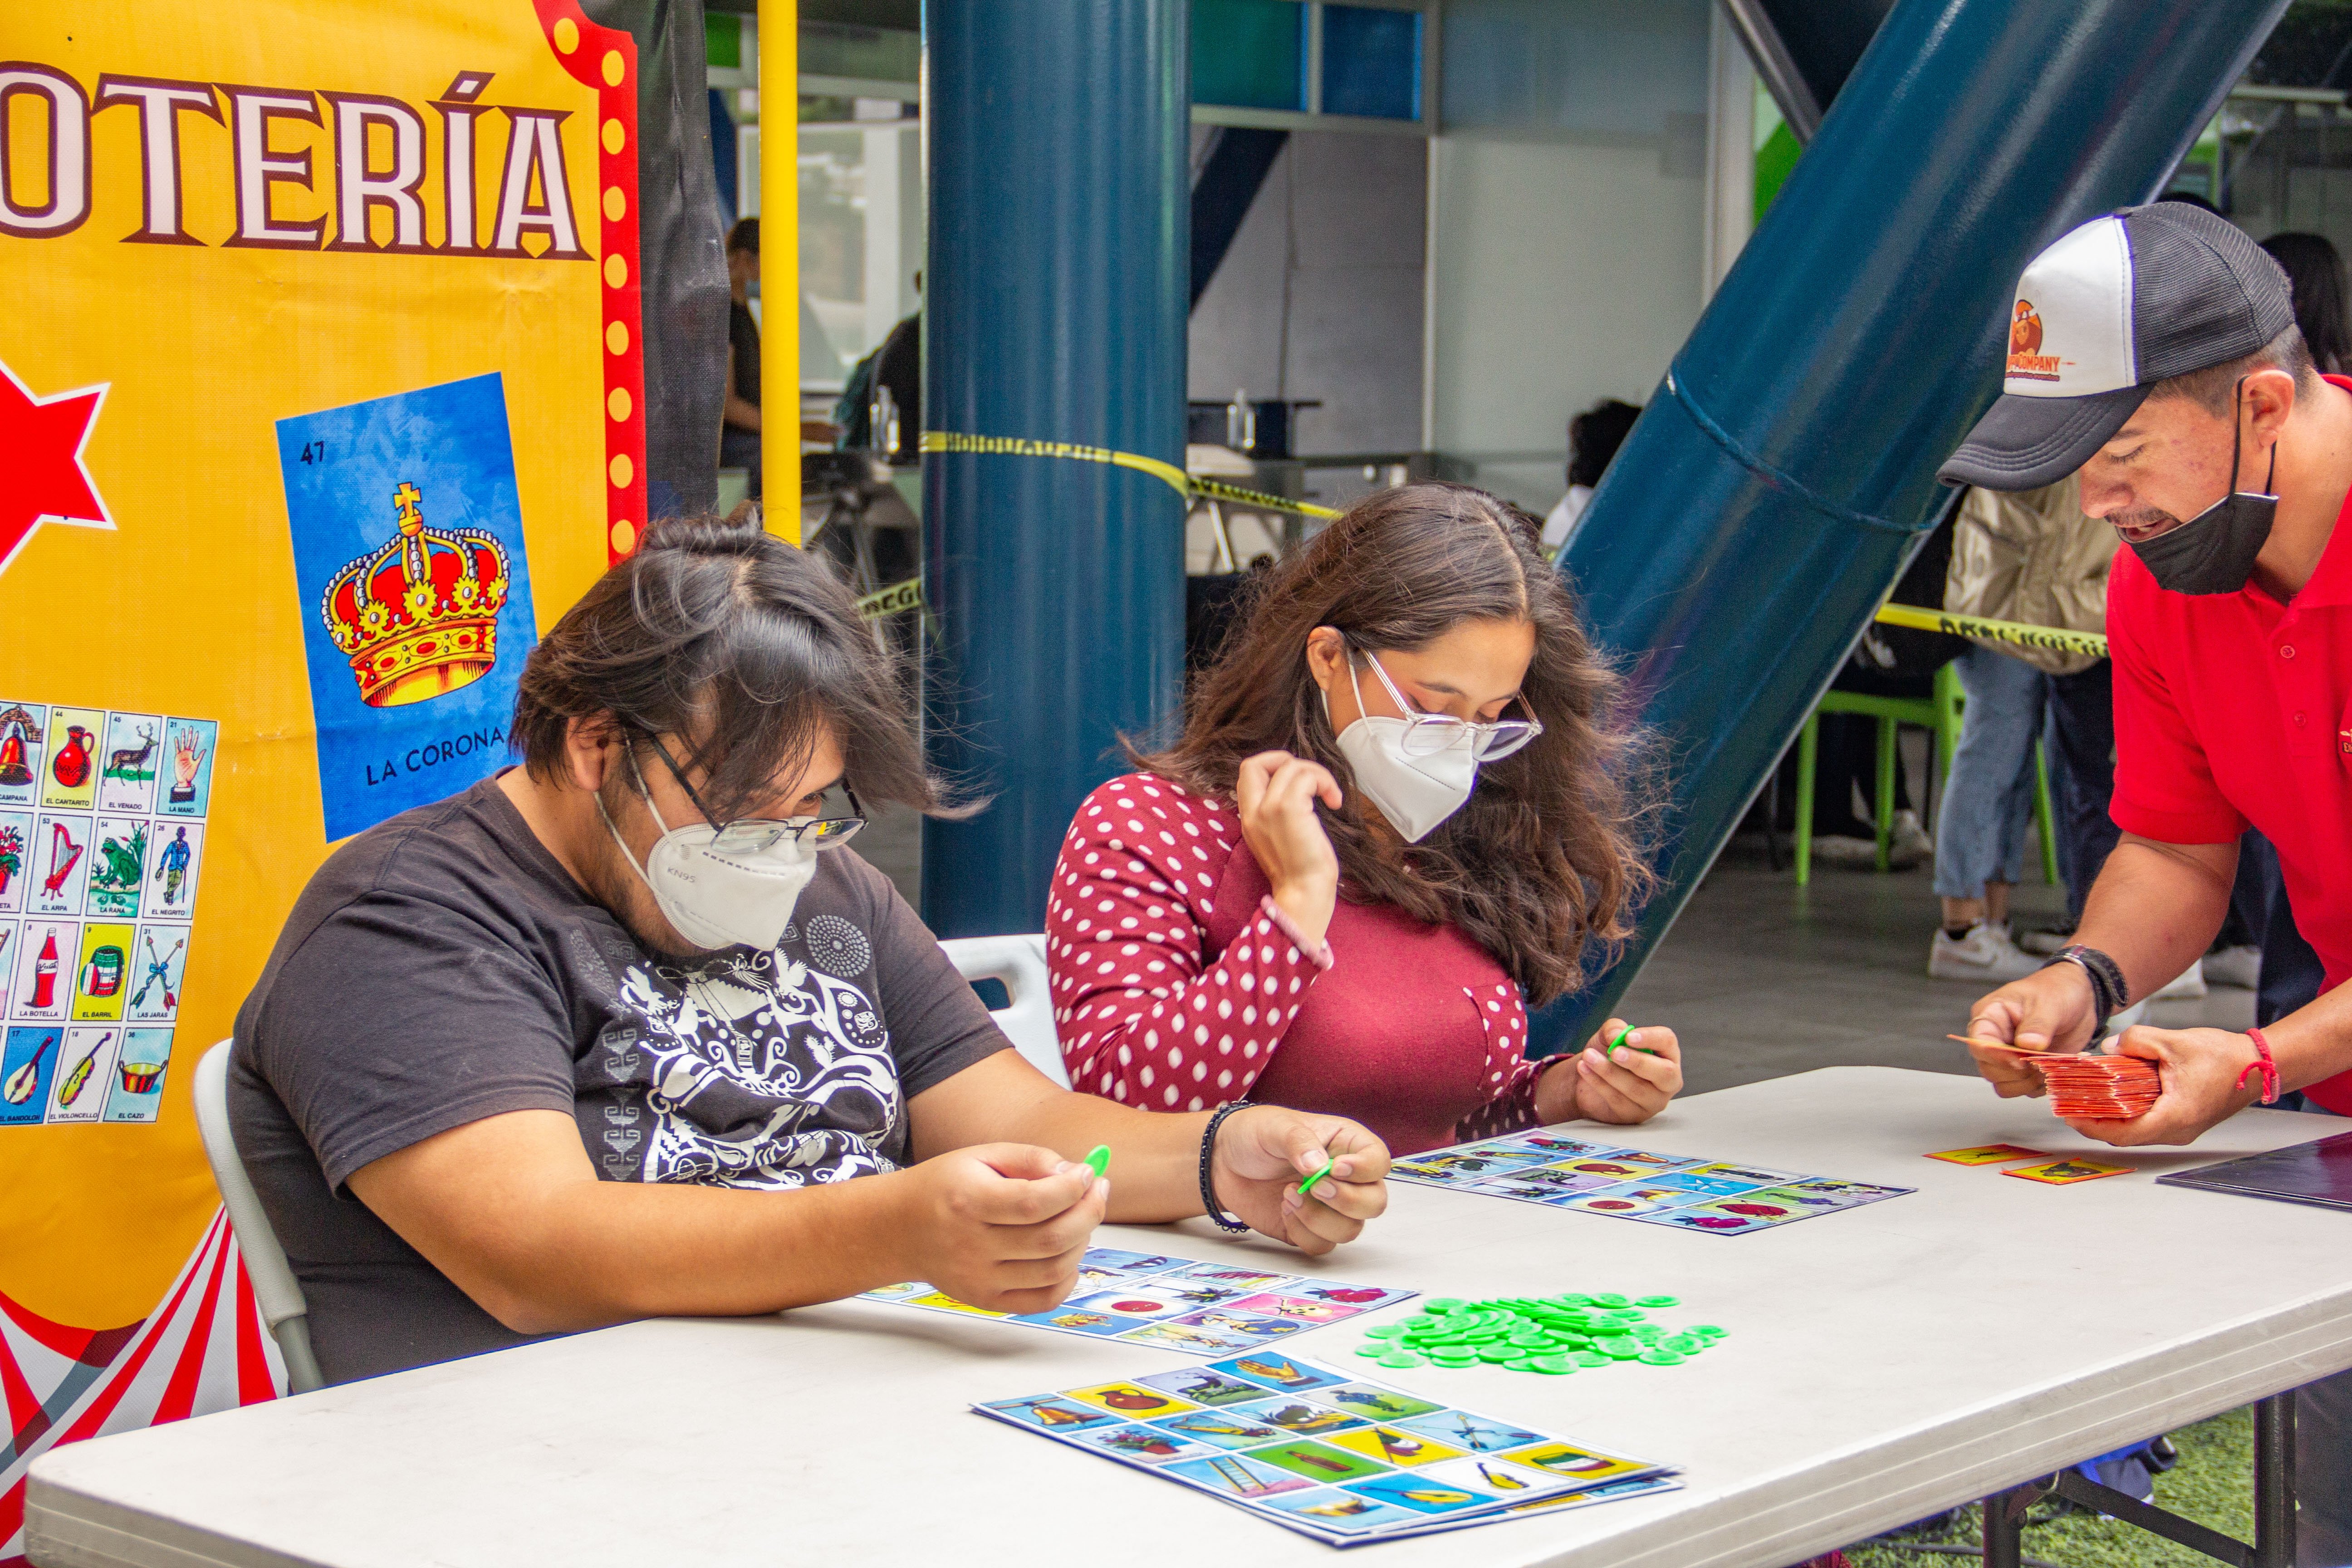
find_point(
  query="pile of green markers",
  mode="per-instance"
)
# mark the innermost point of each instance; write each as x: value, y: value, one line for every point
x: 1552, y: 1335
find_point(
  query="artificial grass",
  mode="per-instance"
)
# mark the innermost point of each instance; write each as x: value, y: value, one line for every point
x: 2213, y: 1484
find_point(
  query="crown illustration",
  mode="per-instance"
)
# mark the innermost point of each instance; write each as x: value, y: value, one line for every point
x: 418, y: 615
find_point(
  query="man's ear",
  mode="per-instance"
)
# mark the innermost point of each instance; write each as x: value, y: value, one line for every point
x: 2268, y: 399
x: 590, y: 746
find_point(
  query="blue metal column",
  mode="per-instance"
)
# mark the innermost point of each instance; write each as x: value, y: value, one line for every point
x: 1055, y: 309
x: 1768, y: 498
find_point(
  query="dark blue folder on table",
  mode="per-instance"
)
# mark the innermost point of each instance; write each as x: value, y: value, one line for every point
x: 2318, y: 1173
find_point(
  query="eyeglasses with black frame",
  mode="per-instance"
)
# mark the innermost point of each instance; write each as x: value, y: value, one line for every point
x: 751, y: 834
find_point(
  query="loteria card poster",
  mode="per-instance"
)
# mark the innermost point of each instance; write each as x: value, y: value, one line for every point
x: 322, y: 394
x: 404, y: 719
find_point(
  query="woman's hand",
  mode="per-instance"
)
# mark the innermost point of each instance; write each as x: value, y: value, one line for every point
x: 1624, y: 1085
x: 1264, y: 1153
x: 1277, y: 794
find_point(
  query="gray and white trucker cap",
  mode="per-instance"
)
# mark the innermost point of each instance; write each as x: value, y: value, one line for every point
x: 2102, y: 315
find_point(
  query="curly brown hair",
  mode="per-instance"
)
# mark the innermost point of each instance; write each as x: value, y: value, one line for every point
x: 1549, y: 852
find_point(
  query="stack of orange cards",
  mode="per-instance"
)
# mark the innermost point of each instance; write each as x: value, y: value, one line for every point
x: 2086, y: 1088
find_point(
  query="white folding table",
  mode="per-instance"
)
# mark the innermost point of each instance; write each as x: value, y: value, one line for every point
x: 1882, y: 1364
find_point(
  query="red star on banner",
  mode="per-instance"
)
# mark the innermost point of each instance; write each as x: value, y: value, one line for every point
x: 42, y: 476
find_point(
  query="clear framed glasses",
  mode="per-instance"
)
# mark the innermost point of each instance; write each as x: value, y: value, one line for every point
x: 1426, y: 734
x: 752, y: 835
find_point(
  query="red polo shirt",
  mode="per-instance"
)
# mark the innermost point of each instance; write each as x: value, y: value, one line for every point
x: 2233, y: 709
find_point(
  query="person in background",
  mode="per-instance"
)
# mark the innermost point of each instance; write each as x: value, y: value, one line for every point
x: 1886, y: 661
x: 1594, y: 438
x: 896, y: 366
x: 738, y: 429
x: 2315, y: 274
x: 2078, y: 737
x: 2033, y: 557
x: 1398, y: 815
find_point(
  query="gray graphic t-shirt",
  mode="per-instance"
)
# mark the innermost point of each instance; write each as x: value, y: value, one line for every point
x: 442, y: 967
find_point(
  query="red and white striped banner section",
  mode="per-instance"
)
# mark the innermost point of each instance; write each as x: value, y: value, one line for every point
x: 204, y: 1350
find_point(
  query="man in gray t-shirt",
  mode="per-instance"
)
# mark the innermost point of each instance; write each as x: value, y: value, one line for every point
x: 449, y: 941
x: 625, y: 1032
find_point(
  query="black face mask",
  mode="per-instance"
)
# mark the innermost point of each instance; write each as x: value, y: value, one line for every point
x: 2213, y: 553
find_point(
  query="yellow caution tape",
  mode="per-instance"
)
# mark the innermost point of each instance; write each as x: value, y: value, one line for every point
x: 2054, y: 638
x: 1217, y: 489
x: 1192, y: 487
x: 900, y: 597
x: 893, y: 600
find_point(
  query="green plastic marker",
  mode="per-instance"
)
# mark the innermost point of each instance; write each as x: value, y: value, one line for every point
x: 1620, y: 1040
x: 1327, y: 1164
x: 1099, y: 1160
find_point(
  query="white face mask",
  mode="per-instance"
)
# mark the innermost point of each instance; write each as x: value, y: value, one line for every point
x: 717, y: 900
x: 1414, y: 791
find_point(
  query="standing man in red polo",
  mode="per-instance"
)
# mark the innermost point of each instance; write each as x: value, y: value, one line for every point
x: 2156, y: 353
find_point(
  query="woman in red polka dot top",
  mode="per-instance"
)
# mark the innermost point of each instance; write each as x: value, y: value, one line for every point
x: 1393, y: 820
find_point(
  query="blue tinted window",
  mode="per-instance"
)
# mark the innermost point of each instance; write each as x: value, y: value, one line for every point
x: 1617, y: 67
x: 1250, y: 53
x: 1372, y: 62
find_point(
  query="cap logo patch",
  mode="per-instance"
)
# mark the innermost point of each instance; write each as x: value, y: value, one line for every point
x: 2025, y: 329
x: 2026, y: 362
x: 2070, y: 317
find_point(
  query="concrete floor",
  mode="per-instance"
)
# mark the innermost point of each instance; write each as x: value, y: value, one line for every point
x: 1760, y: 977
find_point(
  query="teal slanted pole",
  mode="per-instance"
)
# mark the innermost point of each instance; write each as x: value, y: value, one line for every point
x: 1774, y: 489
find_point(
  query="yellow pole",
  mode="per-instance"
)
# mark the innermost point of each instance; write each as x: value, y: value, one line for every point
x: 780, y: 280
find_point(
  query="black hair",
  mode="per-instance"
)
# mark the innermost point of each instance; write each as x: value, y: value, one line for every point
x: 1594, y: 438
x: 2316, y: 272
x: 725, y: 632
x: 744, y: 235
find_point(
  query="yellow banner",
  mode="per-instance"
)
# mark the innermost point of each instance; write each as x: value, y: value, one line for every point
x: 319, y: 396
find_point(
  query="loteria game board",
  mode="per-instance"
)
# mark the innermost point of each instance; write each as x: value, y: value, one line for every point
x: 1329, y: 1454
x: 1175, y: 1303
x: 1694, y: 1193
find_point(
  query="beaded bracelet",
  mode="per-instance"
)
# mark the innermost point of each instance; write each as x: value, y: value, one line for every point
x: 2108, y: 992
x: 1225, y: 1221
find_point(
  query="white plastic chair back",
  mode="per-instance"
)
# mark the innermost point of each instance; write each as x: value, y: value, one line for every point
x: 1028, y: 1022
x: 275, y: 1288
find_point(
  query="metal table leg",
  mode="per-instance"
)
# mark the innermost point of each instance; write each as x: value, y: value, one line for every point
x: 2273, y: 1545
x: 2004, y: 1525
x: 2275, y: 1481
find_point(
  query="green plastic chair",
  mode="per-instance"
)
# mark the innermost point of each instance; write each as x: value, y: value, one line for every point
x: 1939, y: 715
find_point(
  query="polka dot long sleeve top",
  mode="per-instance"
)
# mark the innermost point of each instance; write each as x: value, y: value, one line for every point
x: 1178, y: 987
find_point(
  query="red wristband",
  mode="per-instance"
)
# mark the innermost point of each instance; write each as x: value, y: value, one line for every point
x: 2263, y: 1065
